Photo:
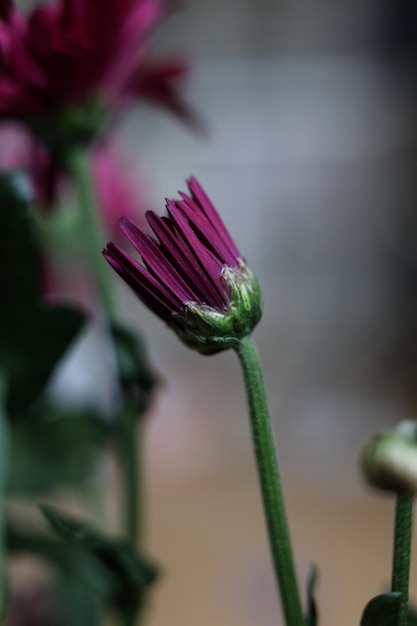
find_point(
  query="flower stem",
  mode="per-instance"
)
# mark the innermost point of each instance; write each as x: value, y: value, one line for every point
x: 266, y: 458
x: 402, y: 552
x: 91, y: 226
x: 4, y: 465
x: 130, y: 434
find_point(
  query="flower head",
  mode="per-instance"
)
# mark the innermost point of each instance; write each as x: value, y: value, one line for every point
x: 192, y: 276
x: 72, y: 61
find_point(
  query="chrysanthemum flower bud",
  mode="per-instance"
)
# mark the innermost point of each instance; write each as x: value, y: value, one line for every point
x: 389, y: 462
x: 193, y: 276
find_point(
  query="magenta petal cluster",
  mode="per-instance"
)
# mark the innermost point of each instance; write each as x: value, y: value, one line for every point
x: 192, y: 274
x: 69, y: 52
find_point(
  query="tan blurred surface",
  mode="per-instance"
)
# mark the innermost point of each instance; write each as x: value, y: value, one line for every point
x: 210, y: 538
x: 205, y: 522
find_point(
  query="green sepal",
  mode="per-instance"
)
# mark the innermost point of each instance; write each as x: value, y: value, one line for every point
x: 73, y: 125
x: 209, y: 330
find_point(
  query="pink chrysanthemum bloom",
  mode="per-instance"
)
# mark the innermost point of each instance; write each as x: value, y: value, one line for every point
x: 192, y: 276
x: 71, y: 62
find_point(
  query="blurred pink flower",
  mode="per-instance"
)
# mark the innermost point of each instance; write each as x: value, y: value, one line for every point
x: 19, y: 150
x: 37, y: 605
x: 119, y: 193
x: 79, y: 52
x: 160, y: 82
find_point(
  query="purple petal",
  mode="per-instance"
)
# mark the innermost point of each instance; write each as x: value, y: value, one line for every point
x: 209, y: 267
x: 182, y: 258
x: 157, y: 264
x: 207, y: 232
x: 149, y: 290
x: 199, y: 196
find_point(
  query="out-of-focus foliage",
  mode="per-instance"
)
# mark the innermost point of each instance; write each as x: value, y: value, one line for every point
x: 312, y: 611
x: 383, y: 610
x: 33, y: 335
x: 55, y: 447
x: 135, y: 374
x: 131, y: 575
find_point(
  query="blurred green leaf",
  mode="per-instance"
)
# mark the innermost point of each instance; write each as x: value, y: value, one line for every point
x: 134, y: 574
x: 412, y: 616
x: 136, y: 375
x: 33, y: 336
x: 53, y: 447
x: 30, y: 353
x: 383, y: 610
x: 82, y: 582
x: 20, y: 276
x: 312, y: 612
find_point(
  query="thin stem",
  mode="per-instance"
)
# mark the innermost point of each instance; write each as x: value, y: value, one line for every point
x: 130, y: 434
x: 266, y: 458
x: 91, y: 226
x: 402, y: 552
x: 4, y: 465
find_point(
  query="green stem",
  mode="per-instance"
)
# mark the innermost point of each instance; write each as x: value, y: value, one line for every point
x: 91, y: 226
x: 130, y: 434
x: 402, y: 552
x: 266, y: 458
x: 4, y: 465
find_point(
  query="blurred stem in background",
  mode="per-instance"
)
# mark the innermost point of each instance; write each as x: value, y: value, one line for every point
x: 80, y: 166
x: 131, y: 434
x: 4, y: 464
x: 270, y: 482
x: 91, y: 226
x: 402, y: 552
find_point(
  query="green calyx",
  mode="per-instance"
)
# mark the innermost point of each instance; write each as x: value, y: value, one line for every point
x: 210, y: 330
x: 72, y: 125
x: 389, y: 462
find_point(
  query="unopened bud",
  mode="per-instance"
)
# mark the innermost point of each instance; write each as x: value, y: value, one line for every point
x: 389, y: 462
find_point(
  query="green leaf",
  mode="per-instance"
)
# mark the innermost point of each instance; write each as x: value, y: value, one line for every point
x: 33, y: 336
x: 312, y: 612
x: 133, y: 574
x: 80, y: 578
x: 30, y: 353
x: 53, y: 447
x: 20, y: 276
x: 135, y: 373
x: 383, y: 610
